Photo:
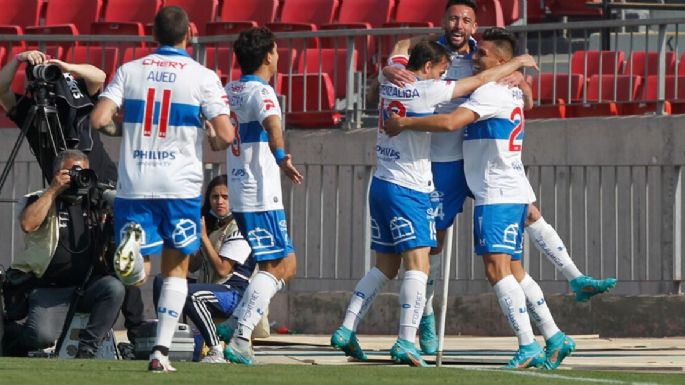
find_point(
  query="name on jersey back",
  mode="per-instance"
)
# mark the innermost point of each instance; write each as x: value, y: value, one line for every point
x: 162, y: 76
x: 391, y: 91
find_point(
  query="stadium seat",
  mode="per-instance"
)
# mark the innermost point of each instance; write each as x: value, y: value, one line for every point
x: 645, y: 63
x: 511, y: 11
x: 79, y: 13
x: 9, y: 45
x: 537, y: 11
x: 62, y: 29
x: 139, y: 11
x: 54, y: 51
x: 116, y: 28
x: 605, y: 62
x: 221, y: 59
x: 200, y: 12
x: 259, y: 11
x: 489, y: 13
x: 601, y: 88
x: 219, y: 28
x: 331, y: 61
x: 20, y: 13
x: 418, y: 13
x: 371, y: 13
x: 561, y: 8
x: 295, y: 43
x: 2, y: 55
x: 310, y: 107
x: 133, y: 53
x: 107, y: 59
x: 544, y: 89
x: 304, y: 15
x: 19, y: 81
x: 287, y: 60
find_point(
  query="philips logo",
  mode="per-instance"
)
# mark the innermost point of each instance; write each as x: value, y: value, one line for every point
x: 154, y: 155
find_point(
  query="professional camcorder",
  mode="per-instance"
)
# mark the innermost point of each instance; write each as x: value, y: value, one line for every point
x: 46, y: 72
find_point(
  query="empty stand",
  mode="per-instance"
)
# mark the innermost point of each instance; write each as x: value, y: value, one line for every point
x: 645, y: 63
x: 200, y: 12
x: 9, y: 45
x: 221, y: 59
x: 331, y: 61
x: 511, y: 11
x: 20, y: 13
x: 79, y: 13
x: 61, y: 29
x: 259, y: 11
x: 124, y: 29
x: 310, y: 100
x: 562, y: 8
x: 365, y: 13
x: 594, y: 62
x: 304, y: 15
x: 140, y: 11
x: 489, y: 13
x: 537, y: 11
x: 219, y: 28
x: 418, y: 13
x: 549, y: 87
x: 107, y: 59
x: 602, y: 87
x: 132, y: 53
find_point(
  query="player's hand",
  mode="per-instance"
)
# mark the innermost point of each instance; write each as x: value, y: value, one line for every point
x: 513, y: 79
x: 398, y: 76
x: 290, y: 171
x: 527, y: 61
x: 60, y: 181
x: 393, y: 126
x: 32, y: 57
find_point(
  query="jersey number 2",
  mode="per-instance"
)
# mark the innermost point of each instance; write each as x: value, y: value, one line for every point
x: 163, y: 123
x: 513, y: 146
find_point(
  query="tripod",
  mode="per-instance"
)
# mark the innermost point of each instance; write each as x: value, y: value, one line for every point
x: 49, y: 137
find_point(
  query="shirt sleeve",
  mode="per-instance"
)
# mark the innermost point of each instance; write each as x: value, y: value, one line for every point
x: 115, y: 89
x: 439, y: 91
x: 214, y: 100
x: 235, y: 247
x: 267, y: 103
x: 485, y: 101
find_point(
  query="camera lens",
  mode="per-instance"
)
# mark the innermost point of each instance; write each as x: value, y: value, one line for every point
x: 47, y: 72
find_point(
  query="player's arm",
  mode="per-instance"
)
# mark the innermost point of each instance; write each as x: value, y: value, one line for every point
x: 102, y: 117
x: 222, y: 132
x: 528, y: 101
x: 434, y: 123
x: 215, y: 143
x: 92, y: 75
x: 395, y: 72
x: 469, y: 84
x: 272, y: 125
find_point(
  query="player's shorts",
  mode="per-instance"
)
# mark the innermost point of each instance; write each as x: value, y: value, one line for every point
x: 450, y: 192
x: 401, y: 218
x: 172, y: 223
x: 499, y: 229
x: 266, y: 232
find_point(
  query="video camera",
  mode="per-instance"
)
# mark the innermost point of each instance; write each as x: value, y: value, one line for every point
x: 47, y: 72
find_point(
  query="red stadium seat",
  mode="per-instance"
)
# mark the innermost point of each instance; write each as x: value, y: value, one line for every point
x: 2, y: 55
x: 62, y: 29
x: 54, y: 51
x: 605, y: 62
x: 417, y: 13
x: 219, y: 28
x: 601, y: 88
x: 200, y: 12
x: 133, y: 53
x: 489, y: 13
x: 537, y: 11
x: 80, y: 13
x: 317, y: 110
x: 221, y: 59
x: 544, y: 89
x: 331, y: 61
x: 645, y: 63
x: 287, y: 60
x: 117, y: 28
x: 107, y: 59
x: 367, y: 12
x: 9, y: 45
x: 304, y: 15
x: 260, y: 11
x: 511, y: 11
x: 297, y: 43
x: 573, y: 8
x: 139, y: 11
x: 20, y: 13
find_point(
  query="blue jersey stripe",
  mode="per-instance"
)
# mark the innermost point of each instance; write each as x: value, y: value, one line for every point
x: 253, y: 132
x: 410, y: 114
x: 493, y: 128
x: 179, y: 114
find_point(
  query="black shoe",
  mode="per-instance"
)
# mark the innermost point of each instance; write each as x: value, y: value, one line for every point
x: 127, y: 351
x: 85, y: 352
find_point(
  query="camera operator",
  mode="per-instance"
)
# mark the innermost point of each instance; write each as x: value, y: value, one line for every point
x: 62, y: 245
x: 80, y: 83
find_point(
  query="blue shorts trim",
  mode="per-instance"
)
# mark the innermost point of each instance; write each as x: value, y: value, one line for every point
x: 267, y: 234
x: 171, y: 223
x: 401, y: 218
x: 499, y: 229
x: 450, y: 192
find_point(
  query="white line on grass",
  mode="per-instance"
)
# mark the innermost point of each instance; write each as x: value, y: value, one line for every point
x: 562, y: 377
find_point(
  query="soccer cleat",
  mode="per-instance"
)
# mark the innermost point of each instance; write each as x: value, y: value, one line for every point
x: 159, y: 363
x: 559, y: 346
x: 214, y: 356
x: 128, y: 262
x: 224, y: 332
x: 346, y: 340
x: 405, y: 352
x: 234, y: 354
x: 528, y: 356
x: 585, y: 286
x: 428, y: 340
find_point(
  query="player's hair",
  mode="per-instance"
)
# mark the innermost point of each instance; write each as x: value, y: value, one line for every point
x: 469, y: 3
x: 503, y: 39
x: 252, y: 47
x: 426, y: 51
x: 61, y: 158
x: 171, y: 25
x: 211, y: 220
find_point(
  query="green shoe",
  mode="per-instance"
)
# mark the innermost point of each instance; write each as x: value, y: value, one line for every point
x: 346, y: 340
x: 585, y: 286
x: 405, y: 352
x: 234, y: 354
x: 428, y: 340
x: 528, y: 356
x: 559, y: 346
x: 224, y: 332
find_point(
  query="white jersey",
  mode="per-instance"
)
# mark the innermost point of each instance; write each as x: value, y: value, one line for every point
x: 405, y: 159
x: 164, y: 96
x: 492, y: 146
x: 447, y: 146
x: 254, y: 178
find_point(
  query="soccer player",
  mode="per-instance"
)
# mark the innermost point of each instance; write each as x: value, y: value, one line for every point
x: 493, y: 140
x: 158, y: 201
x: 254, y: 162
x: 459, y: 23
x: 402, y: 224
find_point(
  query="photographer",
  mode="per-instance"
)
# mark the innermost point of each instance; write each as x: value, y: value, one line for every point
x: 72, y: 98
x: 62, y: 251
